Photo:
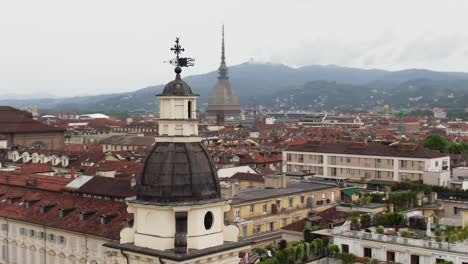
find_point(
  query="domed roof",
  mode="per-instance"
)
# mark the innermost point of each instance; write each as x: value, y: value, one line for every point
x: 177, y: 87
x: 178, y: 172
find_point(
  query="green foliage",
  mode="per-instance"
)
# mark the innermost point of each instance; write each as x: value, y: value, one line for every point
x: 392, y: 219
x: 300, y: 252
x: 333, y: 250
x: 375, y: 197
x: 446, y: 262
x: 290, y: 253
x: 403, y: 200
x: 347, y: 258
x: 316, y: 227
x: 456, y: 235
x: 281, y: 257
x: 380, y: 230
x: 353, y: 214
x: 365, y: 220
x: 271, y: 261
x: 306, y: 251
x: 458, y: 148
x: 436, y: 142
x: 405, y: 234
x: 262, y: 253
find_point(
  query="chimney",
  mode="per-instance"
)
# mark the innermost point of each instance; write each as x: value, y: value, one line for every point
x: 276, y: 181
x: 234, y: 189
x: 73, y: 172
x: 433, y: 197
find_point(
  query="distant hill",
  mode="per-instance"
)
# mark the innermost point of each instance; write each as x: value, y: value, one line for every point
x: 314, y: 86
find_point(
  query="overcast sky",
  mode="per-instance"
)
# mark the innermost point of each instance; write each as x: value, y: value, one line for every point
x: 103, y: 46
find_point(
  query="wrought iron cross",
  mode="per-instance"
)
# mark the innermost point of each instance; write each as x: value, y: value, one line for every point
x: 180, y: 62
x: 177, y: 48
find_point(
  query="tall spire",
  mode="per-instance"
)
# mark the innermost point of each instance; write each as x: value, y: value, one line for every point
x: 222, y: 68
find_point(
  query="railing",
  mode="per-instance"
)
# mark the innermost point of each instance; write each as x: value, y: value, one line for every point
x: 445, y: 246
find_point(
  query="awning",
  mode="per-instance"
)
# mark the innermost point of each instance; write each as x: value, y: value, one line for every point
x: 349, y: 192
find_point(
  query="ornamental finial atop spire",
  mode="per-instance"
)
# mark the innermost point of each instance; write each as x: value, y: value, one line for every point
x: 222, y: 68
x: 180, y: 62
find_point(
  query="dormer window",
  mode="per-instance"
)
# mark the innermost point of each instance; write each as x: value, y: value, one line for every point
x: 105, y: 219
x: 44, y: 208
x: 65, y: 211
x: 13, y: 199
x: 85, y: 215
x: 29, y: 203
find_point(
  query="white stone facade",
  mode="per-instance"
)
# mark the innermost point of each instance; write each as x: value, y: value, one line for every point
x: 27, y: 243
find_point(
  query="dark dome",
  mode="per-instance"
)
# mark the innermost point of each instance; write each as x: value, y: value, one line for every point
x: 178, y: 172
x: 177, y: 87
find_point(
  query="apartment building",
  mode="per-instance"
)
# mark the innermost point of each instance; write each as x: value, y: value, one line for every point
x: 400, y: 250
x: 365, y: 161
x: 39, y: 223
x: 260, y: 213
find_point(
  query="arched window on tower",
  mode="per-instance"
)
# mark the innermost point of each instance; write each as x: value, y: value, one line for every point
x: 189, y: 109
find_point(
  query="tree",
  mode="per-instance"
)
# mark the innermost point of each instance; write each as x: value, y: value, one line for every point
x: 436, y: 142
x: 271, y: 261
x: 348, y: 258
x: 333, y: 250
x: 366, y: 220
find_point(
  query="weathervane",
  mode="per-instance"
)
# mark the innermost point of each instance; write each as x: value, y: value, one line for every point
x: 177, y: 61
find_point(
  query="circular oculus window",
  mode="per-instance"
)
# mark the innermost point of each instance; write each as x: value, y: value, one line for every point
x: 208, y: 220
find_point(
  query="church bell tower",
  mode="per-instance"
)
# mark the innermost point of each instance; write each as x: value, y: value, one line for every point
x: 178, y: 210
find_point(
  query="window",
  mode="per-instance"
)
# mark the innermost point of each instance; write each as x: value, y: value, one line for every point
x: 22, y: 231
x: 320, y: 159
x: 24, y: 259
x: 252, y: 208
x: 378, y: 174
x: 238, y: 213
x: 272, y: 226
x: 456, y: 211
x: 4, y: 252
x: 367, y: 175
x: 344, y: 248
x: 367, y: 252
x: 265, y: 208
x: 291, y: 202
x: 403, y: 164
x: 208, y: 221
x: 189, y: 110
x: 301, y: 158
x: 288, y: 157
x: 258, y: 229
x: 14, y: 256
x: 51, y: 237
x: 43, y: 258
x: 4, y: 227
x: 244, y: 230
x: 333, y: 172
x: 378, y: 162
x: 348, y: 160
x: 61, y: 239
x: 390, y: 256
x: 302, y: 199
x: 333, y: 160
x: 414, y: 259
x: 41, y: 235
x: 284, y: 221
x: 437, y: 164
